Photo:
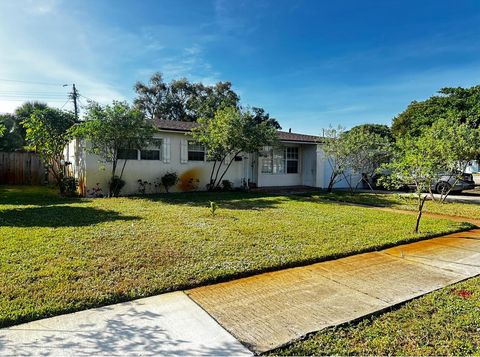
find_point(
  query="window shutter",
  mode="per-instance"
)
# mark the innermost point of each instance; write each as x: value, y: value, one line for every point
x: 166, y: 150
x: 183, y: 151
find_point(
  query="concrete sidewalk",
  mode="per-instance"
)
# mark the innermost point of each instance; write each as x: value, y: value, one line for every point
x: 262, y: 312
x: 270, y: 310
x: 168, y: 324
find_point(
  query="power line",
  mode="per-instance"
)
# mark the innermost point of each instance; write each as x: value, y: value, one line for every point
x: 30, y: 82
x: 31, y: 99
x: 90, y: 99
x: 68, y: 100
x: 32, y: 95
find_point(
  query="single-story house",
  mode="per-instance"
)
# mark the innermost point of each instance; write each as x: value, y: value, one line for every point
x: 298, y: 160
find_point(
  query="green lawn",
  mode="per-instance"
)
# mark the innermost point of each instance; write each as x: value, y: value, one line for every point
x: 445, y: 322
x: 59, y: 255
x: 406, y: 202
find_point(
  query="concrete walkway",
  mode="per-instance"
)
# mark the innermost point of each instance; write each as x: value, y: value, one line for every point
x: 262, y: 312
x: 168, y: 324
x: 272, y: 309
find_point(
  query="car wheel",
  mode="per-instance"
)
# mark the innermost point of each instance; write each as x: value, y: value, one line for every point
x: 443, y: 187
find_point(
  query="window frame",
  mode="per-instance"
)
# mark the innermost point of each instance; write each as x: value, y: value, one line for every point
x: 148, y: 152
x: 127, y: 150
x: 295, y: 159
x: 191, y: 143
x: 276, y: 161
x: 156, y: 146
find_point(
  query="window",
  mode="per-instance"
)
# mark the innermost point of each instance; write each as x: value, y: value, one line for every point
x: 150, y: 155
x: 291, y: 154
x: 267, y: 161
x: 280, y: 160
x: 127, y: 154
x: 196, y: 152
x: 153, y: 152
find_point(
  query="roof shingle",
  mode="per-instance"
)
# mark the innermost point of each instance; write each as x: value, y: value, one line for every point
x: 186, y: 126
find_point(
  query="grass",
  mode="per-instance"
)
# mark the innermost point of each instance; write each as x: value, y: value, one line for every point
x: 61, y: 255
x: 406, y: 202
x: 445, y: 322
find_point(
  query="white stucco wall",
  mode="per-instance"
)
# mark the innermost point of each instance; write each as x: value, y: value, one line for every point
x: 153, y: 170
x: 324, y: 171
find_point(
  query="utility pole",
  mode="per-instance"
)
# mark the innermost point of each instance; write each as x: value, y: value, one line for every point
x: 74, y: 95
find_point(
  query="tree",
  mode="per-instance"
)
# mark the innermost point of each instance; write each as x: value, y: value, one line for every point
x: 336, y: 153
x: 3, y: 129
x: 366, y: 148
x: 453, y: 104
x: 112, y: 128
x: 208, y: 99
x: 260, y: 116
x: 151, y: 97
x: 230, y: 132
x: 415, y: 162
x: 455, y: 144
x: 380, y: 129
x: 182, y: 100
x: 14, y: 136
x: 48, y: 131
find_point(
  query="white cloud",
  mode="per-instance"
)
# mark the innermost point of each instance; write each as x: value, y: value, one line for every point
x: 50, y: 42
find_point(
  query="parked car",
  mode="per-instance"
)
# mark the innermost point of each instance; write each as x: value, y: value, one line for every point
x: 446, y: 181
x: 443, y: 183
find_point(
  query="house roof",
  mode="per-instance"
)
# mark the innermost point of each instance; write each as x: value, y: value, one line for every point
x: 185, y: 126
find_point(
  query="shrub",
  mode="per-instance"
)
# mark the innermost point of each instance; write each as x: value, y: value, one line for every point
x: 96, y: 191
x: 142, y: 186
x: 116, y: 184
x: 68, y: 186
x: 227, y: 185
x: 168, y: 180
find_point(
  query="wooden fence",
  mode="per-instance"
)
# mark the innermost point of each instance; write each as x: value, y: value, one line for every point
x: 21, y: 168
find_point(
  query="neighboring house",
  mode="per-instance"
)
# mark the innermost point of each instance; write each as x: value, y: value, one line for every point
x: 297, y: 160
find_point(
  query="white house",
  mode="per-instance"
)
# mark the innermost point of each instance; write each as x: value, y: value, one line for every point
x: 298, y: 160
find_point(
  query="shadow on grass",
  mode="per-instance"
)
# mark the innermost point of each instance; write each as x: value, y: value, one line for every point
x: 58, y: 216
x: 370, y: 199
x: 34, y: 196
x: 227, y: 200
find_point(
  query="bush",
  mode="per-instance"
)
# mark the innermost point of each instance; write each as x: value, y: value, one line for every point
x: 142, y: 186
x: 68, y: 186
x: 96, y: 191
x: 168, y: 180
x: 116, y: 185
x: 227, y: 185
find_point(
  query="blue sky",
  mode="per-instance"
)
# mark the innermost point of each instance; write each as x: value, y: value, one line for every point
x: 309, y: 63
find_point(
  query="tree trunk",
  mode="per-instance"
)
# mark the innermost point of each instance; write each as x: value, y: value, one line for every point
x: 214, y: 181
x: 333, y: 177
x: 348, y: 182
x: 114, y: 169
x: 123, y: 168
x: 211, y: 175
x: 224, y: 172
x: 421, y: 202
